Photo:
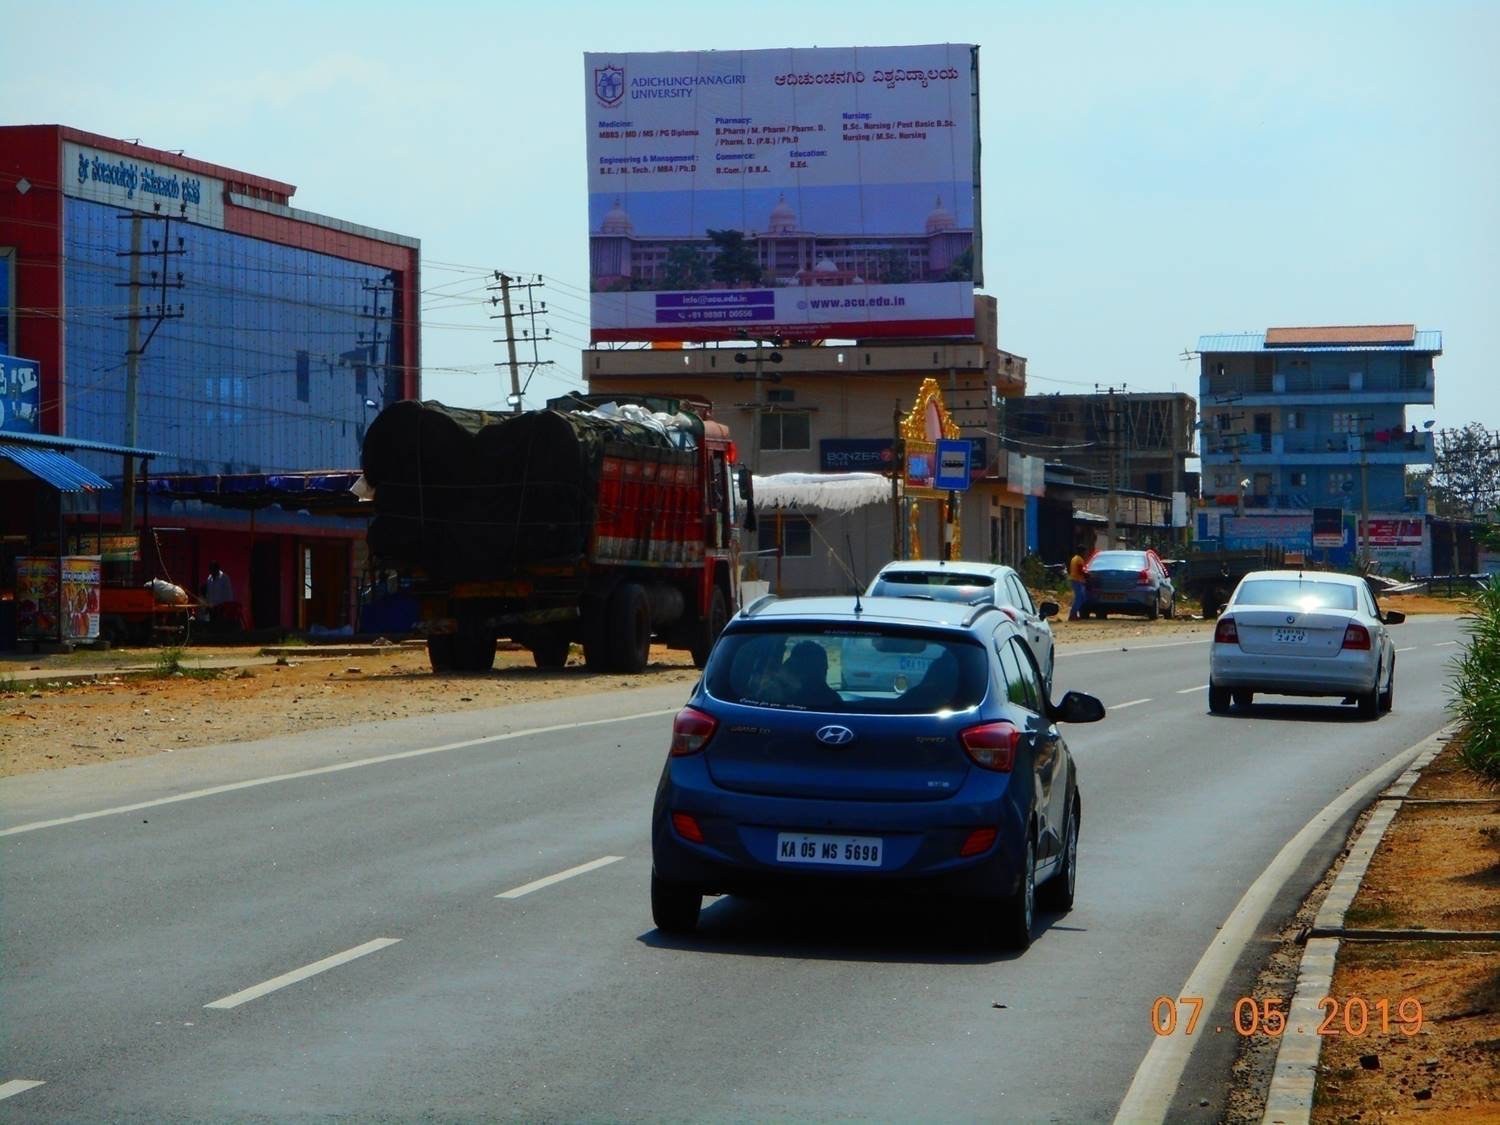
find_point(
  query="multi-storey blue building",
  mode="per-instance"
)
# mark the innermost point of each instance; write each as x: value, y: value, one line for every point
x: 1295, y: 419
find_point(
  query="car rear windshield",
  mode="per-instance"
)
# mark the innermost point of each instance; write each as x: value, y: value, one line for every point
x: 1291, y: 592
x: 852, y: 671
x: 1118, y: 560
x: 935, y: 578
x: 938, y: 592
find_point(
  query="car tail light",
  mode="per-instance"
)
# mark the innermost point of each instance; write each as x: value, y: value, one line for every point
x: 691, y: 730
x: 687, y: 827
x: 1143, y: 578
x: 1226, y: 632
x: 992, y: 746
x: 980, y: 841
x: 1356, y: 636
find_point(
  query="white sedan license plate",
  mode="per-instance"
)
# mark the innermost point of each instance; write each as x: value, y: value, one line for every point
x: 844, y: 851
x: 1291, y: 636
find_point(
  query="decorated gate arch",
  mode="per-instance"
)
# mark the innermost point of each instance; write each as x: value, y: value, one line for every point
x: 925, y: 424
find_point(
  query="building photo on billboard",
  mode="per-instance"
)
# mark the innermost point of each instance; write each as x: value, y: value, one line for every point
x: 783, y: 193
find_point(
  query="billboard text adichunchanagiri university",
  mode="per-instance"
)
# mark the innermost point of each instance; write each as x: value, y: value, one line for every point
x: 829, y: 192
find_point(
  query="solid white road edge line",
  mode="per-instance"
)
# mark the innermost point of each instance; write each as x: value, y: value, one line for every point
x: 1156, y: 1080
x: 18, y: 1086
x: 1190, y: 690
x: 255, y: 991
x: 252, y: 783
x: 1122, y: 706
x: 538, y: 884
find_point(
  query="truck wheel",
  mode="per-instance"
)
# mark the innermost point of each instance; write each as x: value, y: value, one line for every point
x: 440, y: 653
x: 473, y: 651
x: 709, y: 629
x: 550, y: 649
x: 628, y: 635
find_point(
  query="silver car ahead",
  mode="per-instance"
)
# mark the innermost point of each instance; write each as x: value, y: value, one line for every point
x: 976, y: 583
x: 1286, y: 632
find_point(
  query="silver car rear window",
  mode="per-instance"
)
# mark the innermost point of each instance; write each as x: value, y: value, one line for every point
x: 959, y: 594
x: 935, y: 578
x: 1291, y: 592
x: 854, y: 671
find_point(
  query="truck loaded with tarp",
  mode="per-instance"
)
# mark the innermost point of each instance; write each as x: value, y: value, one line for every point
x: 598, y: 521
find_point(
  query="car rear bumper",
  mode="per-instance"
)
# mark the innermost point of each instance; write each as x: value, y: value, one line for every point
x: 1121, y: 601
x: 1285, y: 675
x: 920, y: 840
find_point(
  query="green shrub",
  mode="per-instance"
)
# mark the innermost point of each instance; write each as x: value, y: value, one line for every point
x: 1477, y: 686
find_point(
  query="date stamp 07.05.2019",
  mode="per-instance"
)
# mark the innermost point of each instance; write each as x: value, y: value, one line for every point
x: 1353, y: 1015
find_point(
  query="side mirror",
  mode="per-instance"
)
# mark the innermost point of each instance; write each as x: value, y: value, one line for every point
x: 1047, y: 609
x: 746, y: 485
x: 1393, y: 617
x: 1076, y: 707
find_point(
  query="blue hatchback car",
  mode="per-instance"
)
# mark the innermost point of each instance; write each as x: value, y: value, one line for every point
x: 873, y: 746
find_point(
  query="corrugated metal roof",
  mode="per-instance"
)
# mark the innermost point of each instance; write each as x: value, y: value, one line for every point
x: 1424, y: 341
x: 57, y: 469
x: 53, y: 441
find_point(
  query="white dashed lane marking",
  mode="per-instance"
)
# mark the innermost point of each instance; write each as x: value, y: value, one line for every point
x: 536, y: 885
x: 1444, y: 644
x: 1190, y: 690
x: 1408, y: 648
x: 254, y: 992
x: 18, y: 1086
x: 1132, y: 703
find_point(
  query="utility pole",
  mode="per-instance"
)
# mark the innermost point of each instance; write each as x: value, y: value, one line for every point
x: 1360, y: 420
x: 135, y: 347
x: 529, y: 309
x: 1112, y: 428
x: 898, y: 470
x: 376, y: 311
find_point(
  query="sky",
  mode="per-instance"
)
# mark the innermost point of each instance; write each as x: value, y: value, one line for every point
x: 1150, y: 173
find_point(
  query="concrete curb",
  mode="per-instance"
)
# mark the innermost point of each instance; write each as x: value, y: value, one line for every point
x: 1289, y: 1100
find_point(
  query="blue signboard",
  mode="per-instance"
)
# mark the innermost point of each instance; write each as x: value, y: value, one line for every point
x: 952, y: 464
x: 20, y: 395
x: 844, y: 455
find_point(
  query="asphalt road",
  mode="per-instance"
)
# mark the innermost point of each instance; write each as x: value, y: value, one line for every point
x: 329, y: 942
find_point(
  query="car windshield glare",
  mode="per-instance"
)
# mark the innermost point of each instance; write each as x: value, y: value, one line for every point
x: 1292, y: 592
x: 934, y: 578
x: 1118, y: 560
x: 962, y: 595
x: 848, y: 671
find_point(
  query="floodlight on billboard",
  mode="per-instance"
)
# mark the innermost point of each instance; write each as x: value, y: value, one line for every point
x: 800, y: 193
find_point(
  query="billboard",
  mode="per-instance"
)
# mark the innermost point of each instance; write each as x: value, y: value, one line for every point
x: 798, y: 193
x: 20, y: 395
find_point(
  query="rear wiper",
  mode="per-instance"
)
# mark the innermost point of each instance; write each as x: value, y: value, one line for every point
x: 918, y: 597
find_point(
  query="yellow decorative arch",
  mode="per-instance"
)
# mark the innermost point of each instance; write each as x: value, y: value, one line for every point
x: 926, y: 422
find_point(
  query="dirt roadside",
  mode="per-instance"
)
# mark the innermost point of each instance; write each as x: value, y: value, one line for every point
x: 52, y: 727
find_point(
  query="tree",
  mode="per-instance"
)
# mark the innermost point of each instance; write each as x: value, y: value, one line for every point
x: 962, y: 268
x: 685, y: 267
x: 735, y: 262
x: 1466, y: 477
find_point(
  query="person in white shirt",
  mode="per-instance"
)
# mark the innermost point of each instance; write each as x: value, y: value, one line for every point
x: 217, y: 590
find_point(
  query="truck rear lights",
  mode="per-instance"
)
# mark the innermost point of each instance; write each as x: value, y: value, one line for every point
x: 687, y: 827
x: 691, y: 730
x: 992, y: 746
x: 1226, y: 632
x: 980, y: 841
x: 1356, y: 636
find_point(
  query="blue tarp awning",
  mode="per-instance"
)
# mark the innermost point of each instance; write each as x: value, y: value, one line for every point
x: 326, y: 491
x: 54, y: 468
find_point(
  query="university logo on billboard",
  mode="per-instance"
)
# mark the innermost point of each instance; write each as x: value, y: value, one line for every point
x: 142, y: 185
x: 609, y: 85
x: 800, y: 193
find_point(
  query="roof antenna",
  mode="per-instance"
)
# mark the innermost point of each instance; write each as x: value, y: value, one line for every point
x: 858, y: 582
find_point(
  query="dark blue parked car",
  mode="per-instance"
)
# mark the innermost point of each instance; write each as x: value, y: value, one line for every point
x: 892, y: 745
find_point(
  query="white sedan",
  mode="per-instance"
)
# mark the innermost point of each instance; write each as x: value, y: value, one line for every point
x: 1289, y: 632
x: 976, y: 583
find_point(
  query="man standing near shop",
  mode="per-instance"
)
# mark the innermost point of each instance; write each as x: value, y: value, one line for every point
x: 217, y: 591
x: 1075, y: 576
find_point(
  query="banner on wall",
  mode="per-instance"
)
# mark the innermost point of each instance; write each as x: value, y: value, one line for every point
x: 37, y: 597
x: 20, y: 395
x: 800, y: 193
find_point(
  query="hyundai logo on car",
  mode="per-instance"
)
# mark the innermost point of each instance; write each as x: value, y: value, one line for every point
x: 833, y: 735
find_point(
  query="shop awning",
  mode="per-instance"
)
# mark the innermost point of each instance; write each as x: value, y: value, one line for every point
x: 53, y: 468
x: 324, y: 493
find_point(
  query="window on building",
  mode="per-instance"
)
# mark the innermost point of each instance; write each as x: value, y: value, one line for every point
x: 1223, y: 420
x: 780, y: 394
x: 1295, y: 420
x: 1345, y: 422
x: 796, y: 536
x: 1296, y: 480
x: 785, y: 431
x: 1337, y: 481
